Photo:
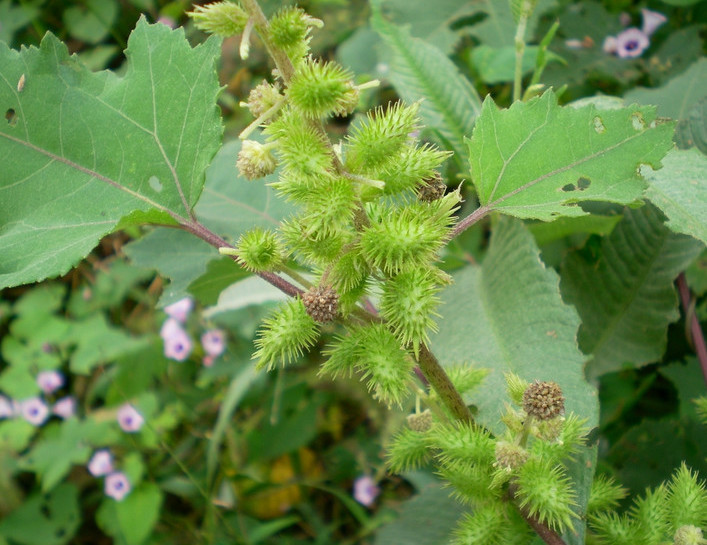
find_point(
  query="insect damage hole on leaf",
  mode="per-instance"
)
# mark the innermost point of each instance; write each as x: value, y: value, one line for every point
x: 11, y: 116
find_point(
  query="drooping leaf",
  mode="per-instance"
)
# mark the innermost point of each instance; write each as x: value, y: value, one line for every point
x: 679, y: 189
x: 229, y: 206
x: 419, y: 70
x: 81, y: 150
x: 539, y: 160
x: 625, y: 294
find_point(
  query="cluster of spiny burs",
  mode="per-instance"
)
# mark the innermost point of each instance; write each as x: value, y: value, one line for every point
x: 373, y: 216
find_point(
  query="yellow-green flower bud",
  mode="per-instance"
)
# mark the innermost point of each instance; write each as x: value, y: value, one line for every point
x: 255, y: 160
x: 510, y: 455
x: 420, y: 421
x: 263, y: 97
x: 688, y: 535
x: 224, y: 19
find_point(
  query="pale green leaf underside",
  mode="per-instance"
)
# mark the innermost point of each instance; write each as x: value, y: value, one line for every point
x: 626, y: 297
x: 675, y: 98
x: 538, y: 159
x: 679, y: 189
x: 419, y: 70
x: 507, y: 315
x: 85, y: 149
x: 229, y: 206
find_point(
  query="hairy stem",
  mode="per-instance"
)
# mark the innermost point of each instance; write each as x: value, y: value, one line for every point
x: 548, y: 535
x: 436, y: 376
x: 216, y: 241
x: 520, y: 49
x: 260, y: 22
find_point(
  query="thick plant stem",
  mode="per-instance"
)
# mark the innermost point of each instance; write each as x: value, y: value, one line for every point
x: 438, y: 379
x: 548, y: 535
x: 282, y: 61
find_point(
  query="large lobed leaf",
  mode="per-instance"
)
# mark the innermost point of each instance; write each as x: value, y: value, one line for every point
x: 539, y: 160
x: 625, y: 294
x: 82, y: 150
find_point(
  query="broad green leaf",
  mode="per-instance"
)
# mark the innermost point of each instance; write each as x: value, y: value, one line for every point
x: 45, y: 519
x: 679, y: 189
x: 678, y: 96
x: 507, y: 315
x: 250, y: 291
x: 595, y: 224
x: 689, y: 382
x: 220, y: 274
x: 625, y: 294
x: 539, y: 160
x: 230, y: 205
x: 138, y: 513
x: 82, y: 150
x: 419, y: 70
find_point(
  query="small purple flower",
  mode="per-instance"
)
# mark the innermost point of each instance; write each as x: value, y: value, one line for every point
x: 34, y: 410
x: 65, y: 407
x: 180, y: 310
x: 365, y: 490
x: 101, y: 463
x: 129, y: 419
x: 214, y: 342
x: 6, y: 408
x: 117, y: 486
x: 631, y: 43
x: 177, y: 343
x: 50, y: 381
x: 651, y: 21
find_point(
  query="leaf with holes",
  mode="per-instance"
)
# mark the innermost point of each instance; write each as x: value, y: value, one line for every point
x: 539, y: 160
x: 81, y: 150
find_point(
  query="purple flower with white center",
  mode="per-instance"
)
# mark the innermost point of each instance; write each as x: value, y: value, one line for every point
x: 6, y: 408
x: 101, y: 463
x: 129, y: 419
x: 117, y: 486
x: 365, y: 490
x: 180, y: 310
x: 651, y: 21
x: 631, y: 43
x: 214, y: 342
x: 177, y: 343
x: 34, y: 410
x: 65, y: 407
x: 50, y: 381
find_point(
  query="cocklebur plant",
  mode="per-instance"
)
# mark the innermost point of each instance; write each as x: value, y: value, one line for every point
x: 371, y: 222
